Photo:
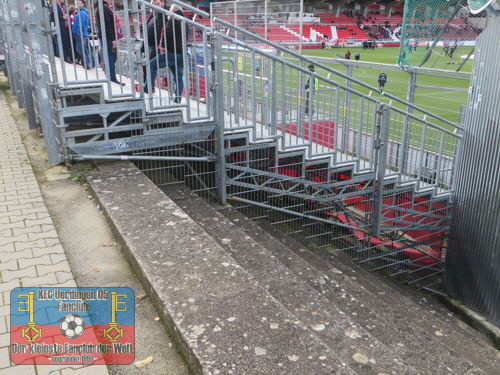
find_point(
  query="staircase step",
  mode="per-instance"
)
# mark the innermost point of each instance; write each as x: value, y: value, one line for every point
x: 393, y: 314
x: 353, y: 345
x: 222, y: 319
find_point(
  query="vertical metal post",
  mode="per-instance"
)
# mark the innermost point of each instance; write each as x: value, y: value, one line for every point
x: 347, y: 112
x: 14, y: 77
x: 381, y: 143
x: 41, y: 82
x: 274, y: 93
x: 218, y: 91
x: 21, y: 56
x: 410, y: 97
x: 29, y: 104
x: 104, y: 47
x: 48, y: 33
x: 4, y: 39
x: 461, y: 116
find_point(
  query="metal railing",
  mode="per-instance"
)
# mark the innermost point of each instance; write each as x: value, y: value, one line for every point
x: 278, y: 99
x: 274, y: 97
x: 235, y: 118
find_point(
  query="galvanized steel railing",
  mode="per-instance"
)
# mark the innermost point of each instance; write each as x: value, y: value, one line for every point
x: 245, y: 86
x: 269, y: 95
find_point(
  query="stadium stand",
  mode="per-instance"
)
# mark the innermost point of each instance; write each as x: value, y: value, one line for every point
x: 370, y: 23
x: 277, y: 34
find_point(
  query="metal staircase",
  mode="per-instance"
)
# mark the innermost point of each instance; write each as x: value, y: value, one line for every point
x: 311, y: 149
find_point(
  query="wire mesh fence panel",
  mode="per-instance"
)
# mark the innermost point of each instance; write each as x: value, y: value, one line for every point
x: 438, y: 34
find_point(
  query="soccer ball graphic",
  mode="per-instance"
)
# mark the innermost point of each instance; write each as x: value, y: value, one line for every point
x: 72, y: 326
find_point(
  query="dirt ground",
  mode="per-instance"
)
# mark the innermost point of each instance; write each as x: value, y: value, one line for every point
x: 92, y: 250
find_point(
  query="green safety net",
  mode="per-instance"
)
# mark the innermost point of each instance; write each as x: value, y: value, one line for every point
x: 437, y: 34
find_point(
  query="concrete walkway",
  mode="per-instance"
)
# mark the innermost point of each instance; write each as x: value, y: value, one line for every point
x: 31, y: 254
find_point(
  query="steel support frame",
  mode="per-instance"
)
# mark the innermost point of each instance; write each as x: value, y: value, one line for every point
x: 383, y: 123
x: 41, y: 80
x: 405, y: 142
x: 218, y: 94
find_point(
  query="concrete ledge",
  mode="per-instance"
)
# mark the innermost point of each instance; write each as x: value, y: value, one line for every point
x: 475, y: 320
x: 222, y: 319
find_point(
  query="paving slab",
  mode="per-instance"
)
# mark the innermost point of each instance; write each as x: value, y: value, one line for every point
x: 27, y: 236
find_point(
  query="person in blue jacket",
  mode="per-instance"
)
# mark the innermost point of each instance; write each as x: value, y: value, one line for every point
x: 80, y: 30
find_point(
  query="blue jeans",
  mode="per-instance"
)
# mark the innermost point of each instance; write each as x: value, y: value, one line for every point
x: 84, y: 51
x: 175, y: 62
x: 111, y: 61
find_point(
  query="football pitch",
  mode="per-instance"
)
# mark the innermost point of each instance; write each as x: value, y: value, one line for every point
x: 439, y: 95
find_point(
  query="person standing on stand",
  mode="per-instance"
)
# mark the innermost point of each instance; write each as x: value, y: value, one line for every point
x: 80, y: 31
x: 314, y: 86
x: 171, y: 55
x: 63, y: 31
x: 107, y: 36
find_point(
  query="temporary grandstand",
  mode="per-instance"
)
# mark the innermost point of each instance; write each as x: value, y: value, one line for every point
x: 242, y: 117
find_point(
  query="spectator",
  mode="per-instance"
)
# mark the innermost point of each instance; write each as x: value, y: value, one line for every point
x: 171, y: 55
x: 258, y: 68
x: 80, y: 30
x: 107, y: 36
x: 64, y: 31
x: 382, y: 79
x: 154, y: 30
x: 71, y: 12
x: 347, y: 55
x: 314, y: 86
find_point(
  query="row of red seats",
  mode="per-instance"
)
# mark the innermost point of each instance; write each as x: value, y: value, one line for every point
x: 353, y: 32
x: 277, y: 34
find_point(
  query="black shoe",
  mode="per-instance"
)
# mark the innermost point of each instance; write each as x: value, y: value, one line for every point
x: 118, y: 83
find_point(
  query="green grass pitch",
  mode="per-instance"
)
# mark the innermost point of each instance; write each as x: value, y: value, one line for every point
x: 442, y: 96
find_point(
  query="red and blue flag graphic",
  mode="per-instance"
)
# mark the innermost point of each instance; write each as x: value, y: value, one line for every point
x: 72, y: 326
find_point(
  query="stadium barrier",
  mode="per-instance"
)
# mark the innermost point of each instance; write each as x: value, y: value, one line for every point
x: 231, y: 117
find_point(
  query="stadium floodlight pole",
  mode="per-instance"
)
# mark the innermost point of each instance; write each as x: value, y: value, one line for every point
x: 265, y: 19
x: 235, y: 11
x: 335, y: 72
x: 402, y: 37
x: 436, y: 39
x: 301, y: 25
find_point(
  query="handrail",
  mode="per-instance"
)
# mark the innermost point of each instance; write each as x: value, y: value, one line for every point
x: 191, y: 8
x: 327, y: 80
x: 333, y: 71
x: 176, y: 16
x: 309, y: 60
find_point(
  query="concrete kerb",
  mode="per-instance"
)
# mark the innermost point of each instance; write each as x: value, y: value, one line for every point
x: 181, y: 347
x: 475, y: 320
